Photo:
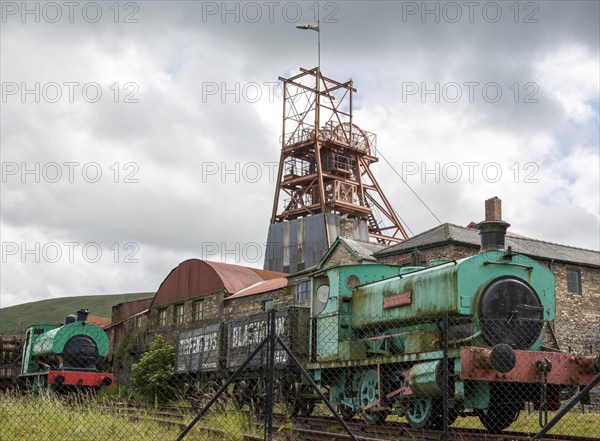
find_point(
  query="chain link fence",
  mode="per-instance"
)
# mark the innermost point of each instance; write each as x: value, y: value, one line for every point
x: 286, y: 375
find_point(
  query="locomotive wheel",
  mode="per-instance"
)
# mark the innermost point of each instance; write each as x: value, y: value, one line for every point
x: 346, y: 412
x: 296, y: 403
x: 368, y: 395
x: 498, y: 417
x: 256, y: 398
x: 426, y: 413
x: 240, y: 393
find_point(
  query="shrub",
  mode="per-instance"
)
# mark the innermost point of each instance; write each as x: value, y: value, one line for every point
x: 153, y: 378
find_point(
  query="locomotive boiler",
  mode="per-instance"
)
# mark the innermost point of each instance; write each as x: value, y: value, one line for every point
x: 65, y: 357
x: 377, y: 338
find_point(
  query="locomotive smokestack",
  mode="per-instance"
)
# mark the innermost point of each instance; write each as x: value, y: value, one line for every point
x: 492, y: 230
x: 82, y: 315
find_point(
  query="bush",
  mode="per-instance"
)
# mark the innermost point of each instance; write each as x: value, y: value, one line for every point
x: 153, y: 378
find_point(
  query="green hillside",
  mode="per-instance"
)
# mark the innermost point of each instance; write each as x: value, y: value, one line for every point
x: 15, y: 319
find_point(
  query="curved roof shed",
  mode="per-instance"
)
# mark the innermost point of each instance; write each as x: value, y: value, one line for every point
x: 195, y: 278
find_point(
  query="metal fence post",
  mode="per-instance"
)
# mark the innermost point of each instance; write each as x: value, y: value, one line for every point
x: 445, y: 378
x: 222, y: 389
x: 270, y: 398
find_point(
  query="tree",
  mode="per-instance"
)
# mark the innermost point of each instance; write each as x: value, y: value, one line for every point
x: 152, y: 379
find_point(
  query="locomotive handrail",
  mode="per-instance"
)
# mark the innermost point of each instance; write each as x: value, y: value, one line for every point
x: 527, y: 267
x: 400, y: 276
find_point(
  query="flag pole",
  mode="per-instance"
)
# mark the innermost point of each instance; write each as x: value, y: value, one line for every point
x: 319, y: 46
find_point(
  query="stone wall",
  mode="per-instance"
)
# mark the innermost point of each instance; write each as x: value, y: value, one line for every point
x: 577, y: 323
x: 446, y: 251
x: 213, y: 313
x: 340, y: 256
x: 253, y: 304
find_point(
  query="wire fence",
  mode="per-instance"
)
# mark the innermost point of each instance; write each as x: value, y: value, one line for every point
x: 286, y: 375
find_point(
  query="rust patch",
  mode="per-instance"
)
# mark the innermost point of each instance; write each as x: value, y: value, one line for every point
x: 566, y: 368
x: 404, y: 298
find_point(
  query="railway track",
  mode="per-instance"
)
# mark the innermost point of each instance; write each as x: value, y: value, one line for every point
x: 328, y: 429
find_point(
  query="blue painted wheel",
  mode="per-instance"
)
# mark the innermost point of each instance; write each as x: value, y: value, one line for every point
x: 368, y: 395
x: 419, y: 412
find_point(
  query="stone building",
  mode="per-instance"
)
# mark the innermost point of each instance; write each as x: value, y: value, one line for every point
x: 193, y: 295
x: 577, y: 273
x: 126, y: 333
x: 345, y: 251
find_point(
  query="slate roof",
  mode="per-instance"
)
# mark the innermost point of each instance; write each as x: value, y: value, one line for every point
x: 363, y: 250
x: 359, y: 249
x: 450, y: 233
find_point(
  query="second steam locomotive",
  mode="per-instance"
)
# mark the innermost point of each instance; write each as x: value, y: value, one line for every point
x: 377, y: 334
x: 65, y: 357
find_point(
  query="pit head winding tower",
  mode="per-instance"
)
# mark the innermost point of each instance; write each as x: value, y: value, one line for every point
x: 324, y: 181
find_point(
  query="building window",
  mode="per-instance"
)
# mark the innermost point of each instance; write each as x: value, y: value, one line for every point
x: 162, y: 317
x: 138, y: 322
x: 302, y: 291
x: 573, y: 281
x: 267, y: 304
x: 198, y: 310
x: 178, y: 314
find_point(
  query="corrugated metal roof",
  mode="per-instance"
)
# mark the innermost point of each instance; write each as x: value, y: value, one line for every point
x: 98, y: 321
x: 195, y: 278
x: 124, y: 310
x: 261, y: 287
x: 535, y: 248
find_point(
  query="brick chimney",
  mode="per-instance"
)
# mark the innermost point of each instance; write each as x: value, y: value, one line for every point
x: 493, y: 209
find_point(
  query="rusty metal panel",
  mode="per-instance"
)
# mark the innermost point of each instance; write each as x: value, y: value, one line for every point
x: 191, y: 278
x: 261, y: 287
x: 566, y: 368
x: 195, y: 278
x: 124, y: 310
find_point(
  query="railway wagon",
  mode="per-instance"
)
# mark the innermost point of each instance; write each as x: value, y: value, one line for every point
x: 244, y: 336
x: 65, y: 358
x: 377, y: 345
x: 200, y: 361
x: 11, y: 349
x: 207, y: 356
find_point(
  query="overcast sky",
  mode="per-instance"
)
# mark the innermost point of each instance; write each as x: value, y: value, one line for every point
x: 136, y: 135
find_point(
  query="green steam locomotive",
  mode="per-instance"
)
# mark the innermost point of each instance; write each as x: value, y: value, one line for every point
x: 378, y: 333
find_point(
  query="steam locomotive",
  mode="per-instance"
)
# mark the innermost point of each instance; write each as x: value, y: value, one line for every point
x: 375, y: 341
x: 378, y: 345
x: 64, y: 358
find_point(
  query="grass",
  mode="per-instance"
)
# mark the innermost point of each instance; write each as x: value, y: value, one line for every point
x: 573, y: 423
x: 52, y: 418
x: 15, y: 319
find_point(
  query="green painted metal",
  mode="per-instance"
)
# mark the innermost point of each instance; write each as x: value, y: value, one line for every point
x: 334, y: 322
x: 453, y: 288
x: 425, y: 379
x: 32, y: 335
x: 43, y: 340
x: 53, y: 342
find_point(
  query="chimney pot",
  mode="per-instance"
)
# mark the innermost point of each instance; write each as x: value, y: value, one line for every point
x: 493, y: 209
